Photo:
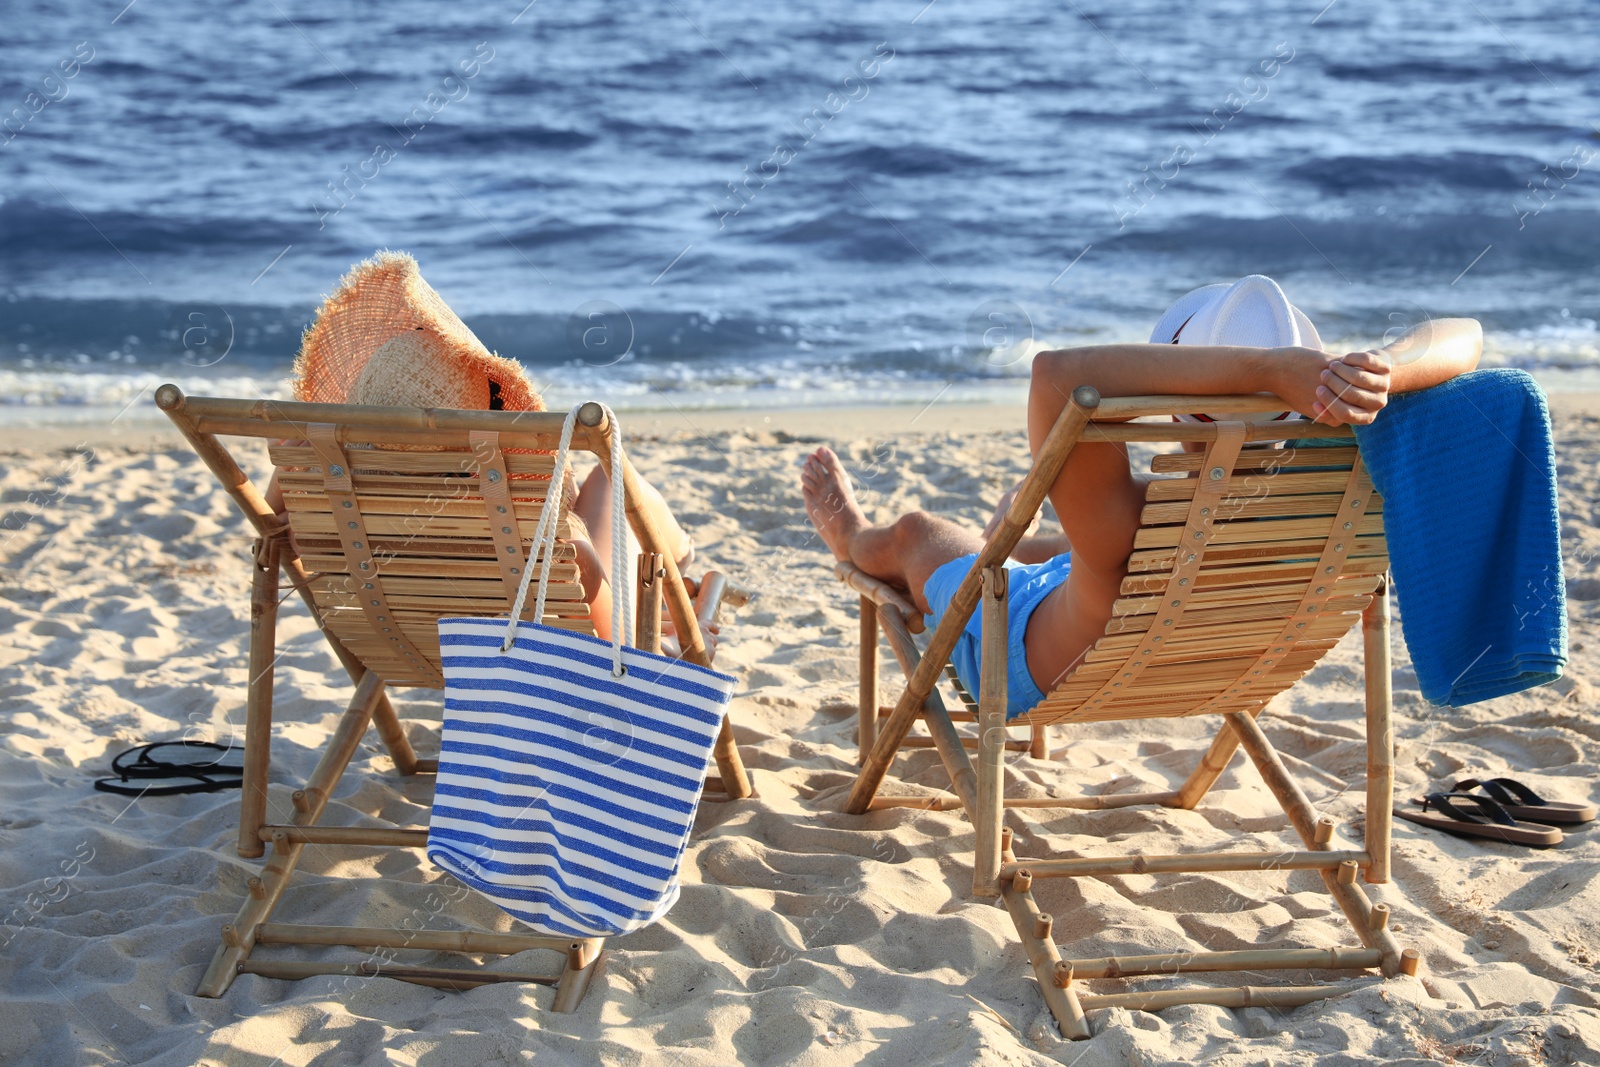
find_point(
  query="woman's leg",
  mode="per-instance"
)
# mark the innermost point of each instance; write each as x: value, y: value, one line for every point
x: 593, y: 506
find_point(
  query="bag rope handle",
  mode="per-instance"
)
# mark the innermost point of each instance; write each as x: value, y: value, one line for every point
x: 544, y: 539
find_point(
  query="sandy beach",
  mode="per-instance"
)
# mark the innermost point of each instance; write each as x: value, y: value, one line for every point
x: 803, y: 936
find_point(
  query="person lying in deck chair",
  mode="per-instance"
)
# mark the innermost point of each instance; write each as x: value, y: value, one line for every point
x: 386, y: 338
x: 1220, y: 339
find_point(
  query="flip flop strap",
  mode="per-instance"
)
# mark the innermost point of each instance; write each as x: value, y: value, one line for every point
x: 1504, y: 790
x: 144, y: 765
x: 1488, y: 810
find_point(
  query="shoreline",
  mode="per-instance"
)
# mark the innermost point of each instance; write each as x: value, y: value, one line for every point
x: 150, y: 431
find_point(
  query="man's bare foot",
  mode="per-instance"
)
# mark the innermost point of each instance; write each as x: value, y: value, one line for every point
x: 830, y: 501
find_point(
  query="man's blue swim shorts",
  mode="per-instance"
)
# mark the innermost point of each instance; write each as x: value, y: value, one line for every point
x: 1027, y: 584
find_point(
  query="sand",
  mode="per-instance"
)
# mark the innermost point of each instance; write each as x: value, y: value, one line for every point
x: 802, y: 936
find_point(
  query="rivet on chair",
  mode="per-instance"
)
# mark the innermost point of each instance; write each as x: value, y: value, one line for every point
x: 1177, y: 603
x: 1190, y: 559
x: 1321, y: 589
x: 355, y: 544
x: 501, y: 509
x: 1183, y: 581
x: 353, y: 526
x: 1338, y: 548
x: 367, y: 586
x: 348, y: 504
x: 1217, y: 474
x: 494, y: 476
x: 1199, y: 534
x: 364, y: 565
x: 1166, y: 622
x: 377, y: 604
x: 1355, y: 503
x: 1205, y: 511
x: 511, y: 548
x: 336, y: 470
x: 1153, y: 640
x: 1327, y: 570
x: 1349, y: 526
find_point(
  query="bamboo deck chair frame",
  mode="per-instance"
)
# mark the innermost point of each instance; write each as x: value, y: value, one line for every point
x: 377, y: 492
x: 1283, y: 563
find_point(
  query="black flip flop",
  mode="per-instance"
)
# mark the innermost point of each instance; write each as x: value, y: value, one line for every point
x: 1489, y: 820
x: 1521, y: 802
x: 203, y: 767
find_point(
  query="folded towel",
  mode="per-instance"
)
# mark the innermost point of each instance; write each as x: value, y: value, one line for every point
x: 1467, y: 473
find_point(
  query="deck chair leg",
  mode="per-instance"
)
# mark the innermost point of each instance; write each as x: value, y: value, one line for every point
x: 258, y: 698
x: 1380, y: 734
x: 584, y: 960
x: 1036, y: 932
x: 393, y: 733
x: 239, y: 936
x: 867, y: 703
x: 1039, y: 741
x: 936, y: 717
x: 1349, y: 896
x: 1212, y: 764
x: 991, y: 736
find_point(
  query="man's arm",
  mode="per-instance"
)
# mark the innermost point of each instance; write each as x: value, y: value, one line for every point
x: 1349, y: 389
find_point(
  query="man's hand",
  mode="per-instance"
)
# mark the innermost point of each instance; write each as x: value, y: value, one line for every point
x: 1354, y: 389
x: 1347, y: 391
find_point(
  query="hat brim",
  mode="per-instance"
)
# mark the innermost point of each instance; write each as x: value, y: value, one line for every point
x: 376, y: 301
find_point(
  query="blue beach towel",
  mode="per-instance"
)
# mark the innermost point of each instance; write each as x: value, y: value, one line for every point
x: 1467, y: 473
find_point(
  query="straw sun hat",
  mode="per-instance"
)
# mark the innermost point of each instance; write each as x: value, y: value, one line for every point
x: 1252, y: 312
x: 385, y: 337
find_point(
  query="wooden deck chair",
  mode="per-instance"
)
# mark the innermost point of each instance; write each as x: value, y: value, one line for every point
x: 396, y: 517
x: 1243, y: 575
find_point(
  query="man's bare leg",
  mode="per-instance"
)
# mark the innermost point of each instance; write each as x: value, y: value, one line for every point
x: 903, y: 553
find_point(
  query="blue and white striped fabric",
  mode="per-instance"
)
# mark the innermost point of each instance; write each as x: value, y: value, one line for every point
x: 571, y: 766
x: 566, y: 794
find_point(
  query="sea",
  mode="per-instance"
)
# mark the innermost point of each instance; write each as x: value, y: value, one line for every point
x: 695, y: 204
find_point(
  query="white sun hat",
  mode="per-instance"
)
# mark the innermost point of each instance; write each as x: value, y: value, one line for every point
x: 1252, y: 312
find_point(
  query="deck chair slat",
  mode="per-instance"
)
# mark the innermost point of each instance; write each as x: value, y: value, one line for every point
x: 1275, y: 505
x: 1253, y: 459
x: 452, y: 461
x: 1254, y: 592
x: 527, y: 511
x: 414, y: 547
x: 563, y: 576
x: 1285, y: 483
x: 1333, y: 624
x: 323, y: 523
x: 1256, y: 531
x: 1300, y: 549
x: 436, y: 567
x: 1247, y: 574
x: 443, y: 599
x: 451, y: 487
x: 1232, y: 613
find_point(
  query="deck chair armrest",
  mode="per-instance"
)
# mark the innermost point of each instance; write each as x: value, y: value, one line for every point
x: 881, y: 593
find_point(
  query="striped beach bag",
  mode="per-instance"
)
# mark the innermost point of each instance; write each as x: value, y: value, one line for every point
x: 570, y: 767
